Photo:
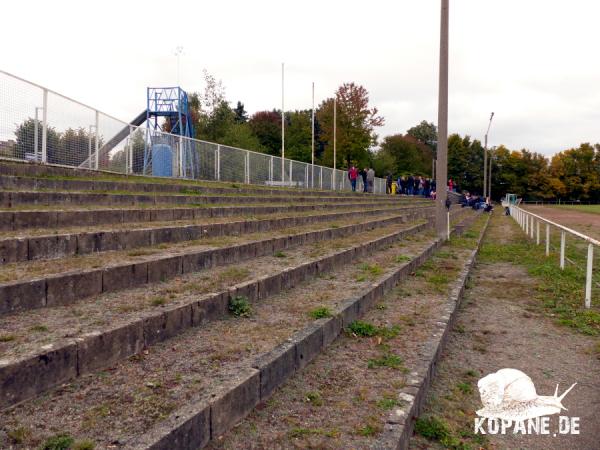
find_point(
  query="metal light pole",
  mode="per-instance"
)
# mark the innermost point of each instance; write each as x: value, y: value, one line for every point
x: 313, y: 137
x: 334, y: 137
x: 490, y: 172
x: 485, y: 155
x: 441, y: 217
x: 282, y: 128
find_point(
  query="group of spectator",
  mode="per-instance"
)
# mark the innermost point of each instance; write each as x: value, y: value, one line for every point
x: 476, y: 202
x: 411, y: 185
x: 367, y: 175
x: 407, y: 185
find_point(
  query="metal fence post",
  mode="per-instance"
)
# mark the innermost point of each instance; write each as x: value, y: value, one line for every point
x: 247, y: 167
x: 180, y: 156
x: 126, y: 151
x: 538, y: 232
x: 321, y: 178
x: 562, y: 249
x: 96, y: 142
x: 271, y: 169
x: 526, y: 224
x: 45, y: 128
x: 130, y: 150
x: 306, y: 176
x: 36, y: 132
x: 588, y: 276
x: 219, y: 163
x: 90, y: 146
x: 333, y: 180
x: 291, y: 174
x: 532, y: 221
x: 547, y: 240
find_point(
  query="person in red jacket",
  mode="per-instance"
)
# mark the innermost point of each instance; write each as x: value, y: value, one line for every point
x: 353, y: 175
x: 450, y: 185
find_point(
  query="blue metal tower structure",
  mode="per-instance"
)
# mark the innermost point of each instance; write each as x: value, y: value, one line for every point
x: 162, y: 150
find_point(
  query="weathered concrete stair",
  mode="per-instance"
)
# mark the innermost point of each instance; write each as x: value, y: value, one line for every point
x: 52, y: 246
x: 67, y: 288
x: 25, y: 377
x: 15, y: 220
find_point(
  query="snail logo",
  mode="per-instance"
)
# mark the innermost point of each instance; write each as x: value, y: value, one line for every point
x: 509, y: 396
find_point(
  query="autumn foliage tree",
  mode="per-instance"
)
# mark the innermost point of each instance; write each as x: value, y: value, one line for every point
x: 356, y: 123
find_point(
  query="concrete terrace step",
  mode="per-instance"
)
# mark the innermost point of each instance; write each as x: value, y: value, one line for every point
x: 227, y: 375
x: 11, y: 199
x: 135, y: 184
x: 48, y: 359
x: 76, y: 216
x: 69, y: 287
x: 58, y: 245
x: 57, y: 173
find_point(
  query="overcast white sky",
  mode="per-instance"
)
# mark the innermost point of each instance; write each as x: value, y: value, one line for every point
x: 533, y: 62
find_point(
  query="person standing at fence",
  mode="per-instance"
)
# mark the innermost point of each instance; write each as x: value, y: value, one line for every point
x: 370, y: 179
x: 410, y: 183
x: 352, y: 176
x: 388, y: 184
x: 364, y: 174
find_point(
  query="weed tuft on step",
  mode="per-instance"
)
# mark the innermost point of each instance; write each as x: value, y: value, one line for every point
x: 387, y: 360
x: 320, y: 313
x: 18, y: 435
x: 240, y: 307
x: 362, y: 329
x: 58, y: 442
x: 158, y: 301
x: 314, y: 398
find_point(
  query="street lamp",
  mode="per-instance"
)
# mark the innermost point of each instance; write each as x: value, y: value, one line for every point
x: 485, y: 195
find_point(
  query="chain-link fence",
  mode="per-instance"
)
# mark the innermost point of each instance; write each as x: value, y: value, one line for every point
x: 37, y: 124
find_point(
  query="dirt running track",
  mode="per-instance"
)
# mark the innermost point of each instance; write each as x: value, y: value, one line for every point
x: 585, y: 222
x: 501, y: 327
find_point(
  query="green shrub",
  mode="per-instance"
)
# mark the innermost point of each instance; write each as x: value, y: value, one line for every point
x: 401, y: 258
x: 432, y: 428
x: 320, y: 313
x: 58, y: 442
x: 363, y: 329
x: 240, y: 307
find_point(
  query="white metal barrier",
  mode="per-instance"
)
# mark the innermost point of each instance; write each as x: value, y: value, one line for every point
x: 530, y: 223
x: 38, y: 124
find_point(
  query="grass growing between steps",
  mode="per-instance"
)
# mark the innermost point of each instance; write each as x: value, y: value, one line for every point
x: 358, y: 377
x: 126, y: 400
x: 560, y: 293
x: 448, y: 422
